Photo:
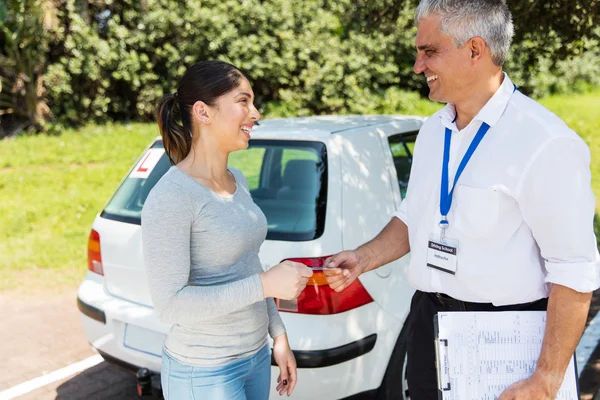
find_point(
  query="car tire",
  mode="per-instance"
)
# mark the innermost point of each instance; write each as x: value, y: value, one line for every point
x: 393, y: 386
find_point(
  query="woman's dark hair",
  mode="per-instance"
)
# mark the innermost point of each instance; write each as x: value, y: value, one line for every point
x: 204, y: 81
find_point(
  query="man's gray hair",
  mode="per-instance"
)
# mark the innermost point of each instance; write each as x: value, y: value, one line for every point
x: 465, y: 19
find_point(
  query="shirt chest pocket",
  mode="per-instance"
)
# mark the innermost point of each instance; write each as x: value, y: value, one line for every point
x: 485, y: 213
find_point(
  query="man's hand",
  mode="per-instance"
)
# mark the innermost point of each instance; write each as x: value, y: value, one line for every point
x: 536, y: 387
x: 567, y: 312
x: 345, y: 268
x: 390, y: 244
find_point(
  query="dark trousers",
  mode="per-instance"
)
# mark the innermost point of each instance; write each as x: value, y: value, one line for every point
x: 420, y: 368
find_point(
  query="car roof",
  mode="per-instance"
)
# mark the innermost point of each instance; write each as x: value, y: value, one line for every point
x: 328, y: 124
x: 323, y: 125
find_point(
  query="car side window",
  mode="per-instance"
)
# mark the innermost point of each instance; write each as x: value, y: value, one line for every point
x: 288, y: 181
x: 249, y: 163
x: 402, y: 146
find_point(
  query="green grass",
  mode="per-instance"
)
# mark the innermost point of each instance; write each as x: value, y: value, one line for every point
x: 50, y: 191
x: 52, y: 187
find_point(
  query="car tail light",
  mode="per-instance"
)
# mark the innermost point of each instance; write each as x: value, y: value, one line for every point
x: 319, y: 298
x: 94, y: 256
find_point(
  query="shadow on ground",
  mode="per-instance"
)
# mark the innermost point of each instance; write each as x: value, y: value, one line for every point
x: 103, y: 381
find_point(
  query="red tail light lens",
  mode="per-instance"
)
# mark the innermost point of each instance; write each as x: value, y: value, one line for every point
x: 94, y: 256
x: 319, y: 298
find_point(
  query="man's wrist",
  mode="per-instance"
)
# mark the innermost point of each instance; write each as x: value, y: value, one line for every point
x: 366, y: 258
x: 549, y: 379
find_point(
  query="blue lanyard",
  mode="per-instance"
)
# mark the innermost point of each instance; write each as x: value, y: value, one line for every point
x: 445, y: 196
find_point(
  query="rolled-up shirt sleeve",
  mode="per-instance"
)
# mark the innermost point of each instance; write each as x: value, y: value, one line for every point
x: 402, y: 212
x: 558, y: 205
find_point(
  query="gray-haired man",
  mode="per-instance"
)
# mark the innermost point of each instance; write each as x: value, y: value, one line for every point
x: 501, y: 180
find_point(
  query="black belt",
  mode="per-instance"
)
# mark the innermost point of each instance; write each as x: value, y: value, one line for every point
x: 451, y: 304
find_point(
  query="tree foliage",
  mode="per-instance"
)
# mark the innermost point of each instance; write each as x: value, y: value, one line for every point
x: 26, y: 27
x: 111, y: 60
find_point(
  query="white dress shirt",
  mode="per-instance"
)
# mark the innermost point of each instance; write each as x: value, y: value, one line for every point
x: 522, y: 209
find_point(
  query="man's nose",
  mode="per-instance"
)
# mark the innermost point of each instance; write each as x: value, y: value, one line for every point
x: 419, y: 66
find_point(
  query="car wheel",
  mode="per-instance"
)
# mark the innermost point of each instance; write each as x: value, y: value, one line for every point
x: 394, y: 385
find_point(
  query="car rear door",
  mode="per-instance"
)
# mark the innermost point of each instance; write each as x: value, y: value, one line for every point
x: 119, y: 228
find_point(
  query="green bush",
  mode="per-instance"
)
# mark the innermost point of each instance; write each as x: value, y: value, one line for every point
x: 546, y: 76
x: 297, y: 53
x: 114, y: 60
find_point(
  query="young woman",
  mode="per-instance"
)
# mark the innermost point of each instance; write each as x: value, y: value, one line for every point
x: 201, y: 236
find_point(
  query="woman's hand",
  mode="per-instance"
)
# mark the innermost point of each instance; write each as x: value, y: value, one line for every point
x: 284, y: 357
x: 285, y: 280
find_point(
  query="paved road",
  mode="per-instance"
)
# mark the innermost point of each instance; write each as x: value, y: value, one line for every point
x: 43, y: 333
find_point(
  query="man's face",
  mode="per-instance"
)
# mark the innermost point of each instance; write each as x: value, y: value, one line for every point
x: 448, y: 68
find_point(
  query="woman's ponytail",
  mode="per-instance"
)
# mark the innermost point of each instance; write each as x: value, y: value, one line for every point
x: 177, y: 140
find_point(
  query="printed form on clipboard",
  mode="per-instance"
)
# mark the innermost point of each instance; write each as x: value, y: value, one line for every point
x: 480, y: 354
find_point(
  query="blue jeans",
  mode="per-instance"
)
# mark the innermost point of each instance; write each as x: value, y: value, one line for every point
x: 248, y: 378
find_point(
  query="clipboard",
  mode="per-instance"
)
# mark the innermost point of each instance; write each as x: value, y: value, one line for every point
x: 479, y: 354
x: 441, y: 361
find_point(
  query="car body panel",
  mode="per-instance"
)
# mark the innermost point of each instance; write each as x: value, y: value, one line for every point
x: 123, y: 260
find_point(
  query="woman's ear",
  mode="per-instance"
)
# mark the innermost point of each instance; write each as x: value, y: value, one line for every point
x: 201, y: 112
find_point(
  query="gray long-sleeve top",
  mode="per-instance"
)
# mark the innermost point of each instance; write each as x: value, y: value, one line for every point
x: 201, y: 256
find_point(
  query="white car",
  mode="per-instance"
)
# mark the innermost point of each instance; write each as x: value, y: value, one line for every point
x: 325, y: 184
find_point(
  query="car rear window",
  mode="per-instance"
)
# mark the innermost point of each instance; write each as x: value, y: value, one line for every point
x: 127, y: 202
x: 287, y: 180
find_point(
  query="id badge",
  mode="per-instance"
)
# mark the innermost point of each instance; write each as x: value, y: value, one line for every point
x: 442, y: 254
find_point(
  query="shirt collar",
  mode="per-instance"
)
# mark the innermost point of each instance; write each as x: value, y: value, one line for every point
x: 491, y: 111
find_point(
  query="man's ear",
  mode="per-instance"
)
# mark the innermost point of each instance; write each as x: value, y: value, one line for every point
x: 477, y: 47
x: 201, y: 112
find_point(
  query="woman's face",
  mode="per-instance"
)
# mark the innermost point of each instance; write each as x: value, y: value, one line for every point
x: 233, y: 117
